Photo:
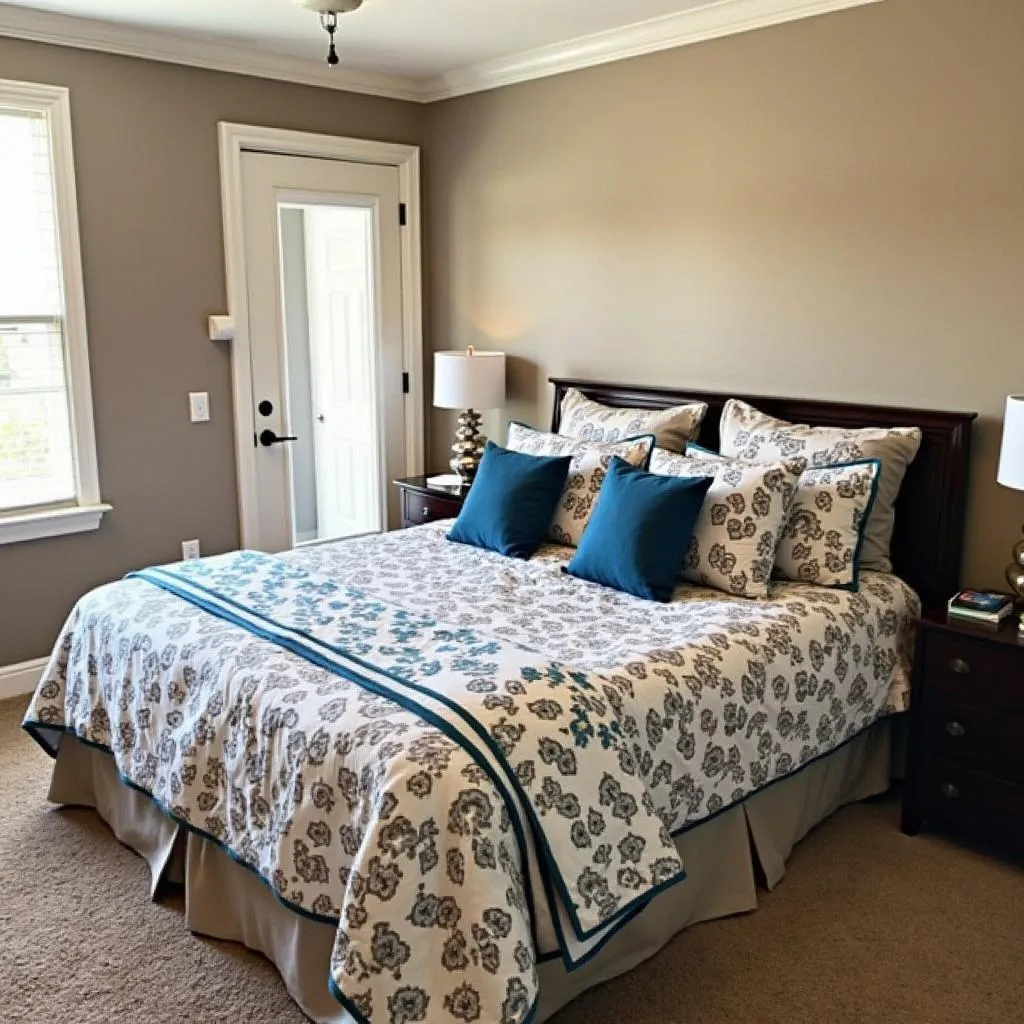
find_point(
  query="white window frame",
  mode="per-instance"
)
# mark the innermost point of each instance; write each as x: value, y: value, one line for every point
x: 87, y: 511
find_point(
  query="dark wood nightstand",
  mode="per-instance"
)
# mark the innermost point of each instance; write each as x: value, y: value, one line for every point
x: 965, y: 763
x: 422, y: 503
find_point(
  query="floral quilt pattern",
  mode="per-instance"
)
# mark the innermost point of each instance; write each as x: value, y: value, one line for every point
x: 357, y: 808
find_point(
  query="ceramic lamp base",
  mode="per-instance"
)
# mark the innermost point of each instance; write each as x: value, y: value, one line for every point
x: 469, y: 444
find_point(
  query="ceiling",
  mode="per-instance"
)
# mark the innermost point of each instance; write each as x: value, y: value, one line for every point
x: 410, y: 38
x: 430, y: 47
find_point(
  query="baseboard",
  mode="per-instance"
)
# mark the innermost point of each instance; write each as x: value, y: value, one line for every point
x: 17, y: 680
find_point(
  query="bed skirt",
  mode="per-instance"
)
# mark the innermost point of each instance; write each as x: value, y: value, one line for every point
x: 223, y: 900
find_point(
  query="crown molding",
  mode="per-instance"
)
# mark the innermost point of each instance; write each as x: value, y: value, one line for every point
x: 172, y: 48
x: 699, y: 24
x: 696, y: 25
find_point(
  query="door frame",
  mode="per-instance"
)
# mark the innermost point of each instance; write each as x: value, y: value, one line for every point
x: 236, y: 139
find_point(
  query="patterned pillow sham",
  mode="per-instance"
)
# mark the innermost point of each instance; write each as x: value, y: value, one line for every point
x: 586, y: 472
x: 748, y: 433
x: 588, y: 420
x: 738, y: 529
x: 822, y: 541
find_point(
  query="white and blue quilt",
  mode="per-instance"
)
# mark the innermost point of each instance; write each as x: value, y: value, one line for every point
x: 466, y: 764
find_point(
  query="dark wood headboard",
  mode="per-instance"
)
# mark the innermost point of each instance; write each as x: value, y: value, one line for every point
x: 928, y: 541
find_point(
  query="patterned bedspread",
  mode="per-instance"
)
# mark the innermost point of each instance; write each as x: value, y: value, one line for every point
x: 314, y: 712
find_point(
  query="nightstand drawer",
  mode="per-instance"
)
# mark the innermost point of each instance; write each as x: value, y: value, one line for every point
x: 974, y: 800
x: 988, y: 741
x: 427, y: 508
x: 974, y: 670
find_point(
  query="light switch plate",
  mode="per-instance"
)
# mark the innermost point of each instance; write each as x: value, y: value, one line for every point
x: 199, y: 406
x: 190, y: 549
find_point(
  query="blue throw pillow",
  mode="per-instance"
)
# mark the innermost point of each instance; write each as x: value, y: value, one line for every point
x: 640, y: 531
x: 512, y: 501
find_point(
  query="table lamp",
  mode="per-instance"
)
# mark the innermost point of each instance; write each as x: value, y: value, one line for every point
x: 469, y: 381
x: 1011, y: 474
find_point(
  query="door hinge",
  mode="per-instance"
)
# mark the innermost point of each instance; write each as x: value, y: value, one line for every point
x: 405, y: 382
x: 403, y: 215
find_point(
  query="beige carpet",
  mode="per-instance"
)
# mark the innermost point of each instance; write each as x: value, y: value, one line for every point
x: 868, y: 926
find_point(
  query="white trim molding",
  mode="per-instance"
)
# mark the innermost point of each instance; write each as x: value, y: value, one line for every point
x: 18, y: 680
x: 29, y: 524
x: 236, y: 139
x: 695, y: 25
x: 712, y: 20
x: 51, y: 522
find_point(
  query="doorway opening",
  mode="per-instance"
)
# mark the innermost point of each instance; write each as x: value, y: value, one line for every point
x: 327, y: 280
x: 323, y: 258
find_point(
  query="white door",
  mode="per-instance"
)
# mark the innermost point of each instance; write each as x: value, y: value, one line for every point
x: 323, y: 265
x: 339, y: 248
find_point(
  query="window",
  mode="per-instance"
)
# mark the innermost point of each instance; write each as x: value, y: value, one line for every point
x: 48, y: 479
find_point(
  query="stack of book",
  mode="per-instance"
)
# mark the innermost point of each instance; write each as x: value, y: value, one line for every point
x: 984, y: 608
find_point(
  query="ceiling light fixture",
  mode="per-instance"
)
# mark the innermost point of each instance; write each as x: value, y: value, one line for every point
x: 329, y: 11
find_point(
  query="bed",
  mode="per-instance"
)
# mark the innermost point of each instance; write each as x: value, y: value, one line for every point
x: 431, y: 783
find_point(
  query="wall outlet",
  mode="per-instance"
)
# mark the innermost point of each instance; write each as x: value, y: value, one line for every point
x: 199, y: 406
x: 189, y: 549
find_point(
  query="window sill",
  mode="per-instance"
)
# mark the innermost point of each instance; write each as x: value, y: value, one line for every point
x: 53, y: 522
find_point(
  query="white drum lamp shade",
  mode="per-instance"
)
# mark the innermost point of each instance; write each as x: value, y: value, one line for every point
x: 469, y: 380
x: 1011, y: 459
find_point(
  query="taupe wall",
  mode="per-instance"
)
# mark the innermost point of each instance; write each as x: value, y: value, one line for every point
x: 833, y: 208
x: 149, y: 199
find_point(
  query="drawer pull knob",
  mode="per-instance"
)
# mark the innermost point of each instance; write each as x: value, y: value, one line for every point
x: 956, y: 730
x: 426, y: 512
x: 949, y: 791
x: 960, y: 667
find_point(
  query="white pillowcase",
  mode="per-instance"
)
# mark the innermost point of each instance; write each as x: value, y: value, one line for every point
x: 748, y: 433
x: 586, y: 472
x: 738, y: 529
x: 588, y: 420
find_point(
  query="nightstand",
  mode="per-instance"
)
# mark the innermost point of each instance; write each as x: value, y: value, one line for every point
x: 422, y: 503
x: 965, y: 764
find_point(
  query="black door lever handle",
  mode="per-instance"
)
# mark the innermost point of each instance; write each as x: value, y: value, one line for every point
x: 268, y: 439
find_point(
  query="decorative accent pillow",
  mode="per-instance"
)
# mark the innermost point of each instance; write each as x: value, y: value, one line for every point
x: 588, y: 420
x: 748, y: 433
x: 589, y: 464
x: 738, y: 529
x: 510, y: 505
x: 640, y: 531
x: 823, y: 539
